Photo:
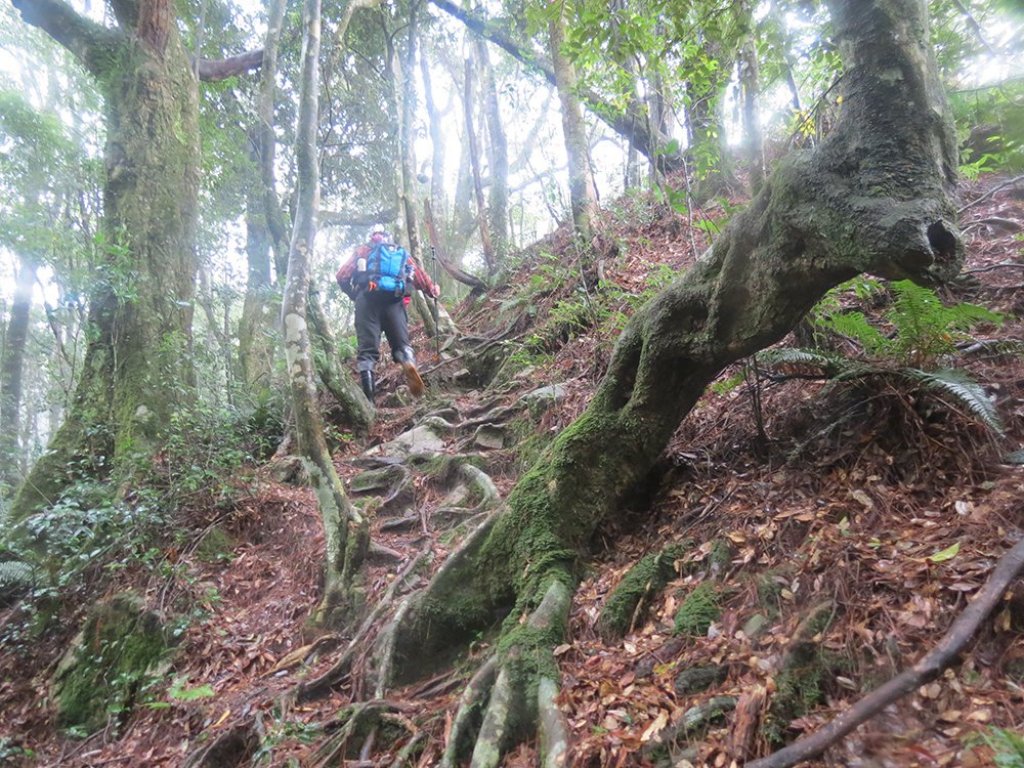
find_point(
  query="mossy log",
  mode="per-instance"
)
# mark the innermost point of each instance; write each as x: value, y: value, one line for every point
x: 875, y: 197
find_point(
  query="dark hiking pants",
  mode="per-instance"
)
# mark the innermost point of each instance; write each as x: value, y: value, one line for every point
x: 376, y: 312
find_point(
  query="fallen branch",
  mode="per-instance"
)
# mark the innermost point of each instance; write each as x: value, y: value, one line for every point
x: 991, y: 267
x: 990, y: 193
x: 928, y: 668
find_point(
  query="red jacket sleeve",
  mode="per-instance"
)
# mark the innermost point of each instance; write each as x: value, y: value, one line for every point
x: 422, y: 280
x: 347, y: 269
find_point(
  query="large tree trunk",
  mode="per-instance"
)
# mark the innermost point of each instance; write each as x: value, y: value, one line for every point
x: 438, y: 199
x: 469, y: 98
x: 266, y: 139
x: 12, y: 363
x: 749, y: 86
x: 137, y: 365
x: 343, y: 552
x: 257, y: 337
x: 497, y: 156
x: 582, y: 190
x: 876, y: 197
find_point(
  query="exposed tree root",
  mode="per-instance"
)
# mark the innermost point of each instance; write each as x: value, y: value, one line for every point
x: 406, y: 753
x: 489, y: 493
x: 357, y: 720
x: 473, y: 699
x: 874, y: 197
x: 522, y: 699
x: 321, y: 685
x: 233, y: 747
x: 553, y: 730
x: 1010, y: 566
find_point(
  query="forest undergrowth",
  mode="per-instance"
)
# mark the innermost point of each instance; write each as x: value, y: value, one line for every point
x: 823, y: 526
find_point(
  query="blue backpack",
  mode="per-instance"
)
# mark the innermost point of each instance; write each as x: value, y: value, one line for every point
x: 387, y: 268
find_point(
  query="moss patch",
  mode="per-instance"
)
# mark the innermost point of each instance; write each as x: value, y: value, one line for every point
x: 215, y: 546
x: 699, y: 610
x: 636, y: 590
x: 120, y: 645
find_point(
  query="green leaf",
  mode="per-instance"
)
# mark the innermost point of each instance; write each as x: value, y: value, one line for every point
x: 946, y: 554
x: 179, y: 693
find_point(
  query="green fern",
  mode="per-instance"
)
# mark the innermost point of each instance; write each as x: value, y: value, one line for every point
x: 855, y: 326
x: 924, y: 329
x: 15, y: 573
x: 963, y: 389
x: 927, y: 329
x: 1007, y: 747
x: 828, y: 363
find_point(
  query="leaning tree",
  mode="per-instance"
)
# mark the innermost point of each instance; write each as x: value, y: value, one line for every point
x: 875, y: 197
x: 136, y: 370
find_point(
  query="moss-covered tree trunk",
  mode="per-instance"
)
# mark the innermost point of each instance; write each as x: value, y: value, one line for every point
x: 257, y: 338
x: 875, y: 197
x: 136, y: 366
x: 342, y: 551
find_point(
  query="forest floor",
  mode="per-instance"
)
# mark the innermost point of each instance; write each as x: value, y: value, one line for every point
x: 893, y: 520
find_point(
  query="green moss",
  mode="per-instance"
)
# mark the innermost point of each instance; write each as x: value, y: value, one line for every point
x: 636, y: 590
x: 798, y: 690
x: 215, y: 546
x: 720, y: 557
x: 698, y: 611
x: 769, y: 593
x: 120, y: 644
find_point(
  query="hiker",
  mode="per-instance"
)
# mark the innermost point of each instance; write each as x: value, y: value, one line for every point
x: 379, y: 277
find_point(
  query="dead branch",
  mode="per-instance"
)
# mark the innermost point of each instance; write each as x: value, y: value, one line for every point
x: 214, y: 70
x: 992, y: 267
x: 928, y: 668
x: 990, y: 193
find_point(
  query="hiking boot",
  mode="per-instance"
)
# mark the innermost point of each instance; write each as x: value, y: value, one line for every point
x: 366, y: 379
x: 412, y: 377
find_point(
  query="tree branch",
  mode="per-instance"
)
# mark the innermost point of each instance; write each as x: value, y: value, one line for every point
x: 928, y: 668
x: 221, y: 69
x: 85, y: 39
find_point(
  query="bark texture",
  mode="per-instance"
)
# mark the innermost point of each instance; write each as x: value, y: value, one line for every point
x: 12, y: 363
x: 136, y: 368
x: 875, y: 197
x: 582, y: 190
x: 342, y: 551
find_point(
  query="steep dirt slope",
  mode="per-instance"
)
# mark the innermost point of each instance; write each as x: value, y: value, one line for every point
x: 865, y: 541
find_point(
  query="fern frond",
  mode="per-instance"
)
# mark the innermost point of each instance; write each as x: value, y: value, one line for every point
x: 962, y: 388
x: 926, y: 328
x: 829, y: 363
x: 855, y: 326
x: 15, y: 573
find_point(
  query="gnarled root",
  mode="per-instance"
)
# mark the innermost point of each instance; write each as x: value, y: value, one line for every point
x: 321, y: 685
x: 522, y: 700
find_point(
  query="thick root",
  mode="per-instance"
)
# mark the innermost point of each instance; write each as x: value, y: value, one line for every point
x: 322, y: 685
x: 522, y: 699
x: 473, y: 699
